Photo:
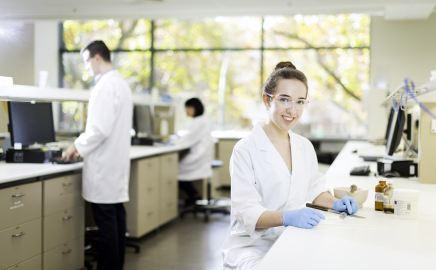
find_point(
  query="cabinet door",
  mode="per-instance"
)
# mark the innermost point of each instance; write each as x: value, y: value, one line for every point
x: 67, y: 256
x: 34, y: 263
x: 143, y: 207
x: 62, y: 193
x: 20, y: 204
x: 225, y: 149
x: 20, y: 242
x: 168, y: 187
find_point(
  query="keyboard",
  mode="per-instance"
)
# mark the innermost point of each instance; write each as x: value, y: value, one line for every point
x: 63, y: 161
x: 372, y: 153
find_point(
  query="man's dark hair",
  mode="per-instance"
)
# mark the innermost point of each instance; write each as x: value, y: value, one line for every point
x: 196, y: 104
x: 98, y: 47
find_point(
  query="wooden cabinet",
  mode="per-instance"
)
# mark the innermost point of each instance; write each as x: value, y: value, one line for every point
x: 168, y: 188
x: 63, y: 223
x: 153, y: 193
x: 19, y: 204
x: 30, y: 264
x: 142, y: 210
x: 20, y: 242
x: 66, y: 256
x: 20, y: 225
x: 224, y: 152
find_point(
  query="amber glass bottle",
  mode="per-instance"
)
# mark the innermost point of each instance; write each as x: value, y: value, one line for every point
x: 379, y: 195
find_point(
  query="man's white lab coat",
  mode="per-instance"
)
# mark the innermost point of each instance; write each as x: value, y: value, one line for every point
x: 105, y: 144
x: 261, y: 181
x: 197, y: 163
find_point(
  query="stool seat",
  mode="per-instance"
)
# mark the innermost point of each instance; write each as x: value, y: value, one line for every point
x: 209, y: 206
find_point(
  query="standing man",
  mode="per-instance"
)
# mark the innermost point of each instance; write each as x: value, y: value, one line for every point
x: 104, y: 147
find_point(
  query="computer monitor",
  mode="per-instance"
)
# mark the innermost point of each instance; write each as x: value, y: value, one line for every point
x: 388, y: 128
x: 31, y: 123
x: 143, y: 120
x: 412, y: 129
x: 396, y: 128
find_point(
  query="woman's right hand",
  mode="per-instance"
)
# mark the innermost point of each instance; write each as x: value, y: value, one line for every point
x: 306, y: 218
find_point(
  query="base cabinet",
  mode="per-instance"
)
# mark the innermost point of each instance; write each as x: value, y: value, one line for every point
x: 153, y: 194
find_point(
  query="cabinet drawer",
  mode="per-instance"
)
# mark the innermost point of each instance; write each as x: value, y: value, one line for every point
x: 61, y: 193
x: 168, y: 211
x: 67, y: 256
x: 148, y: 171
x: 20, y: 242
x: 170, y: 161
x: 34, y: 263
x: 168, y: 190
x: 20, y: 204
x: 63, y: 226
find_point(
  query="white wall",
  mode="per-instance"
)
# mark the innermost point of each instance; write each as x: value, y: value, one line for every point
x: 399, y: 49
x: 16, y: 57
x: 25, y: 50
x: 402, y: 49
x: 46, y: 51
x: 47, y: 56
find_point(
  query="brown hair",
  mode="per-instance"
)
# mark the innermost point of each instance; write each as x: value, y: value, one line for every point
x: 283, y: 70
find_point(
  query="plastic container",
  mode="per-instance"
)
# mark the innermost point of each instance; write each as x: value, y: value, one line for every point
x: 406, y: 202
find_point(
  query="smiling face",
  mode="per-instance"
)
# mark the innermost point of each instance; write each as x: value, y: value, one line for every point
x: 283, y: 108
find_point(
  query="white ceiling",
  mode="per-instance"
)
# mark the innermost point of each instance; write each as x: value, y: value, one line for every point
x: 94, y: 9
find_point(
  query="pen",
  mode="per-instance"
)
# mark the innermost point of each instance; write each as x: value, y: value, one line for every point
x: 326, y: 209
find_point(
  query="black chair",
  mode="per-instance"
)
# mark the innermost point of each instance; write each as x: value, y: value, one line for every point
x: 209, y: 206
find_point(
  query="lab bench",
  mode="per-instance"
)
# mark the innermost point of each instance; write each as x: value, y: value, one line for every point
x: 383, y: 241
x: 42, y: 224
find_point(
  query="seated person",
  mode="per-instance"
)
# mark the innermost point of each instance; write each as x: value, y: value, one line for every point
x: 196, y: 165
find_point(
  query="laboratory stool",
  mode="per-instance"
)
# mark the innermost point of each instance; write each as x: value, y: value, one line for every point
x: 209, y: 206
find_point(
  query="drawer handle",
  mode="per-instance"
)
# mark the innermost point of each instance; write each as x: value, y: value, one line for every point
x: 65, y: 252
x: 17, y: 235
x: 66, y: 218
x: 18, y: 195
x: 67, y: 184
x: 149, y: 214
x: 150, y: 189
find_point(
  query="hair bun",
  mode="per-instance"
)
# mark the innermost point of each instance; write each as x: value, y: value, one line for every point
x: 286, y: 64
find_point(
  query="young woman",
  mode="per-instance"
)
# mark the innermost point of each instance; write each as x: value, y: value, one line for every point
x: 274, y: 172
x: 196, y: 164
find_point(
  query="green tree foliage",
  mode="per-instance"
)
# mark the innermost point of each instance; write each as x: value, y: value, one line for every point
x: 219, y: 59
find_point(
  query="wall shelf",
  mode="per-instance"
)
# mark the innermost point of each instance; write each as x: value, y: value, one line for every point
x: 49, y: 94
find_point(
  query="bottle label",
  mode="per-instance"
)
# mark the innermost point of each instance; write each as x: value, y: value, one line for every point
x: 379, y: 197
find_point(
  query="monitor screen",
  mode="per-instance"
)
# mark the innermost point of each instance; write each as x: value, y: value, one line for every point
x: 395, y: 131
x: 388, y: 128
x: 31, y: 123
x: 143, y: 120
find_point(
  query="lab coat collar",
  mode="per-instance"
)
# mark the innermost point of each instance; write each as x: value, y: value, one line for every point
x: 99, y: 76
x: 261, y: 139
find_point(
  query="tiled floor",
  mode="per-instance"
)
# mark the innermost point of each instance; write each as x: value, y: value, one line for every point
x: 183, y: 244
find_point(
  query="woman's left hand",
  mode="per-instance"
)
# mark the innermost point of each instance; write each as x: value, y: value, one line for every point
x: 346, y: 204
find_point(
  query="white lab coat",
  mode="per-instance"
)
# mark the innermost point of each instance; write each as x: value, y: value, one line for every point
x: 197, y: 163
x: 261, y: 181
x: 105, y: 144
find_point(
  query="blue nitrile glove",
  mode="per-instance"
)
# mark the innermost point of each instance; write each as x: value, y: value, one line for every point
x: 346, y: 204
x: 306, y: 218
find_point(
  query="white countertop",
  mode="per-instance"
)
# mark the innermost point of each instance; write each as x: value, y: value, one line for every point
x: 17, y: 171
x: 380, y: 241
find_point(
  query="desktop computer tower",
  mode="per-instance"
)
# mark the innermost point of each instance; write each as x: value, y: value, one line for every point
x: 31, y: 155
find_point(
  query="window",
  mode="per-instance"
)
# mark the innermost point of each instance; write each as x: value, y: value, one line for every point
x: 225, y: 61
